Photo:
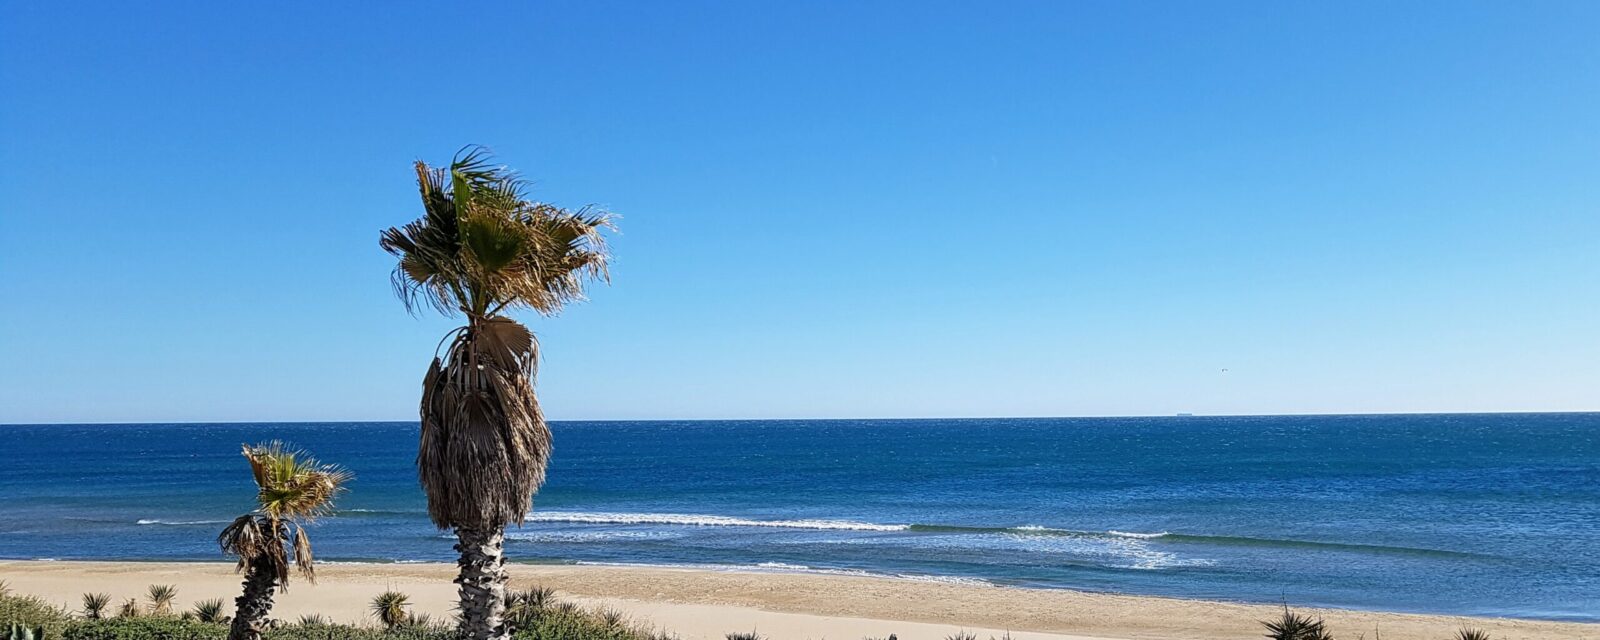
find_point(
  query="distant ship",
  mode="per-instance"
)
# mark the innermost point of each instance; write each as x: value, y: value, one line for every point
x: 1185, y: 415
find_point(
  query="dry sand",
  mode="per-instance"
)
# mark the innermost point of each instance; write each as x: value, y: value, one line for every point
x: 702, y: 604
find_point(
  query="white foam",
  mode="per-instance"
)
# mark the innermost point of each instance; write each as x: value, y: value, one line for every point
x: 1137, y: 536
x: 693, y: 520
x: 784, y: 567
x: 179, y: 523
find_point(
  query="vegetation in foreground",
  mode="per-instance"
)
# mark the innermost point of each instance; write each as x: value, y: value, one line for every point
x: 535, y: 615
x: 531, y: 614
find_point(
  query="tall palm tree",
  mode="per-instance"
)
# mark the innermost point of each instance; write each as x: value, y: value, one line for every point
x: 479, y: 249
x: 292, y: 490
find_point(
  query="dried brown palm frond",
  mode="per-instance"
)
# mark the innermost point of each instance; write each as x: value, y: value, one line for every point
x: 485, y: 444
x: 258, y: 542
x: 129, y: 609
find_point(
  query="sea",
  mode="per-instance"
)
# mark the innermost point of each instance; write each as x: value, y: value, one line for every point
x: 1494, y: 514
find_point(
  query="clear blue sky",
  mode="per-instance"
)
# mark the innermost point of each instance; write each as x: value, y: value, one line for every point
x: 830, y: 209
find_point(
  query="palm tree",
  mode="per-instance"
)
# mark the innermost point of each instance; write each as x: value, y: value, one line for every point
x: 292, y: 489
x: 481, y: 248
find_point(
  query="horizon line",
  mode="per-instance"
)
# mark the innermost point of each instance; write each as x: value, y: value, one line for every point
x: 901, y: 419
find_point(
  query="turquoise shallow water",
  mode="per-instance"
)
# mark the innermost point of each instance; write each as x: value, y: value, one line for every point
x: 1472, y: 514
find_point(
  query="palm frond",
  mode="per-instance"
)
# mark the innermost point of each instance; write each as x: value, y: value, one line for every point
x: 1471, y: 633
x: 482, y: 246
x: 291, y: 484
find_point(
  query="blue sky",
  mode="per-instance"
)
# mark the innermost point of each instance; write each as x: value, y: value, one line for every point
x: 846, y: 209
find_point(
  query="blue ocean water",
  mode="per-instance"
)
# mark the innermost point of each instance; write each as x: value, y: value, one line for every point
x: 1470, y: 514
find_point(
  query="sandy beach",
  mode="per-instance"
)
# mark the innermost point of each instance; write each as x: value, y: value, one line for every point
x: 703, y: 604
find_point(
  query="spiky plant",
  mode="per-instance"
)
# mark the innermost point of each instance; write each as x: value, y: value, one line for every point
x: 161, y: 597
x: 94, y: 605
x: 209, y: 610
x: 292, y: 489
x: 523, y: 607
x: 420, y: 620
x: 312, y: 620
x: 1471, y: 633
x: 482, y: 248
x: 389, y: 608
x: 746, y: 635
x: 612, y: 618
x: 129, y: 609
x: 1293, y: 626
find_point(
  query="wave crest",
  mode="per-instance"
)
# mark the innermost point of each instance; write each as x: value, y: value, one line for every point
x: 694, y: 520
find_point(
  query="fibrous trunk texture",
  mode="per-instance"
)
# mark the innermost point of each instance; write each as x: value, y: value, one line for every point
x: 255, y: 604
x: 483, y: 582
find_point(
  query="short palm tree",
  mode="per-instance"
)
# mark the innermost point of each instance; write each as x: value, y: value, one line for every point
x: 292, y: 489
x: 479, y: 249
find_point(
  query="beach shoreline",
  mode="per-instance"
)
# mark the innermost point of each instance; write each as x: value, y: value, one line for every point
x: 701, y: 604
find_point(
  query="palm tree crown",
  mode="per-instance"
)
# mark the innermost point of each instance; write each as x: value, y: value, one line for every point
x: 481, y: 246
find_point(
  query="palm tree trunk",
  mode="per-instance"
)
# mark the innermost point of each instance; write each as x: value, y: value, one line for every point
x: 255, y: 604
x: 483, y: 582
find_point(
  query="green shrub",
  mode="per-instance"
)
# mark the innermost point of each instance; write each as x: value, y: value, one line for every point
x: 144, y: 628
x: 32, y: 613
x: 573, y: 623
x: 346, y: 632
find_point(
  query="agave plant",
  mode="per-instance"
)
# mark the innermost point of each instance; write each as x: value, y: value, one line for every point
x: 94, y: 605
x: 1293, y: 626
x: 161, y: 597
x: 292, y: 489
x: 209, y: 611
x: 482, y: 248
x: 389, y: 608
